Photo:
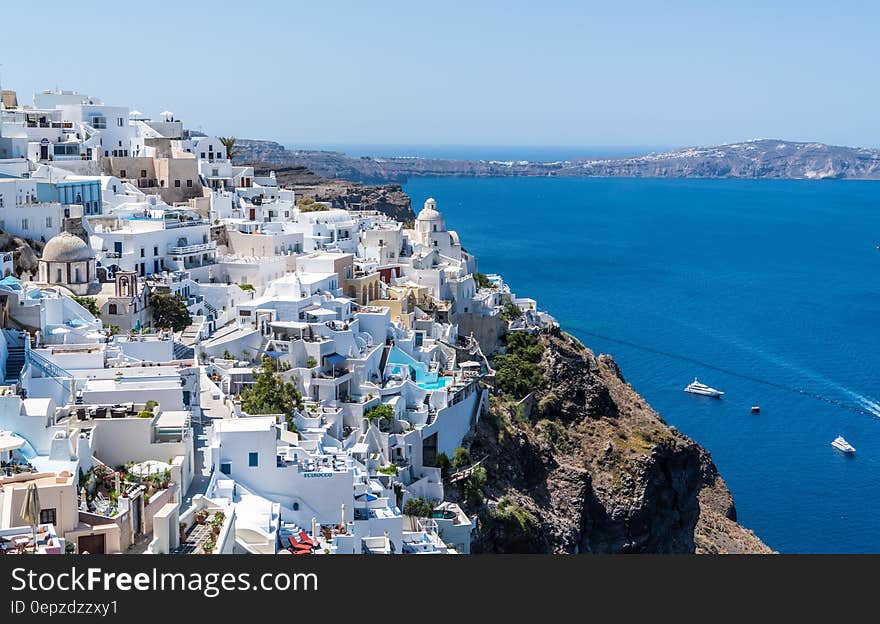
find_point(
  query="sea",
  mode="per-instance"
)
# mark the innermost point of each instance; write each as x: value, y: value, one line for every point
x: 765, y: 289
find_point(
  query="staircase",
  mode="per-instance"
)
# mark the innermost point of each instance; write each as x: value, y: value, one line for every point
x: 14, y: 363
x: 183, y: 352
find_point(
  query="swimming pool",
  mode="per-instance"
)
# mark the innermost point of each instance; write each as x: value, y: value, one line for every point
x: 441, y: 383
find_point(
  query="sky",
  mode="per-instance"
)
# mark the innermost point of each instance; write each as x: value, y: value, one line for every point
x: 560, y: 73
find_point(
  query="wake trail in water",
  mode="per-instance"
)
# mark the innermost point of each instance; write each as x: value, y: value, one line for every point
x: 865, y: 405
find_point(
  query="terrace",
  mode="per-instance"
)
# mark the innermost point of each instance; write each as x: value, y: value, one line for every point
x: 20, y: 541
x: 203, y: 534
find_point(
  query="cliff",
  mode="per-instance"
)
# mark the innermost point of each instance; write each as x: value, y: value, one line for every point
x: 591, y: 468
x: 386, y: 198
x: 766, y: 158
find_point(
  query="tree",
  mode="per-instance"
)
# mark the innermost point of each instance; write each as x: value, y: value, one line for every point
x: 516, y: 376
x: 169, y: 311
x: 510, y: 311
x: 269, y: 394
x: 89, y: 304
x: 229, y: 144
x: 473, y: 486
x: 482, y: 281
x: 382, y: 412
x: 461, y: 458
x: 418, y: 507
x: 442, y: 462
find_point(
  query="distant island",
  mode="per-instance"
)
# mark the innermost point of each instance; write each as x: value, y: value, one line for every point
x: 764, y: 158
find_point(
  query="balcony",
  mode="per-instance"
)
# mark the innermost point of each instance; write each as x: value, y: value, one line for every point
x: 183, y: 250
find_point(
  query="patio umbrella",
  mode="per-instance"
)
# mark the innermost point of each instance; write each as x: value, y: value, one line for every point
x: 30, y: 508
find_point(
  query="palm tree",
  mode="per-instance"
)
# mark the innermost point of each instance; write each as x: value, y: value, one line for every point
x: 229, y: 144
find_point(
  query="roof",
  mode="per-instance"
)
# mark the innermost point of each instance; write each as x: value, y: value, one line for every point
x: 253, y: 423
x: 429, y: 212
x: 66, y: 247
x: 172, y: 420
x: 36, y: 406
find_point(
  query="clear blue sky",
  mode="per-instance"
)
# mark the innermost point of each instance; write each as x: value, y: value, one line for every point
x: 468, y: 73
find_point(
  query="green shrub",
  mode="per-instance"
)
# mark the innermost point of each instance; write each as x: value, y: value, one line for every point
x: 381, y: 411
x: 311, y: 362
x: 442, y: 462
x: 390, y: 469
x: 461, y: 458
x: 513, y: 517
x: 145, y: 414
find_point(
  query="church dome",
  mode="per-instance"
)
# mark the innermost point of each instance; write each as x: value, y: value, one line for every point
x: 429, y: 212
x: 66, y: 247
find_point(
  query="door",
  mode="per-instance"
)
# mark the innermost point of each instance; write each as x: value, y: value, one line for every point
x: 44, y: 152
x: 117, y: 248
x: 92, y: 544
x: 253, y: 214
x: 136, y: 520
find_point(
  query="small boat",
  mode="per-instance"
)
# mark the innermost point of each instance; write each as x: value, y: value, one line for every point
x: 756, y: 409
x: 696, y: 387
x: 842, y: 445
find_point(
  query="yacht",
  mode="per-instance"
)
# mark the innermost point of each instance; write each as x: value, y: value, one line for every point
x: 842, y: 445
x: 696, y: 387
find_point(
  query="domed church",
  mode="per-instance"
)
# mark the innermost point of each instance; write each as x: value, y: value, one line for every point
x: 69, y: 261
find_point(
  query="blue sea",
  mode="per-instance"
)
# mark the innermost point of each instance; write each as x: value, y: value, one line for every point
x: 767, y: 290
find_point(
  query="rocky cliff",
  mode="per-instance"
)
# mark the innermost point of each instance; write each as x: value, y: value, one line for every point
x: 591, y: 468
x: 767, y: 158
x: 386, y: 198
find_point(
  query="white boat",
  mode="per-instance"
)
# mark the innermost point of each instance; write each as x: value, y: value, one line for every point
x: 696, y: 387
x: 842, y: 445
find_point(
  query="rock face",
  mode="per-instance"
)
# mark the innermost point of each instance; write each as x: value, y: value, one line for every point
x: 596, y: 470
x: 24, y: 257
x: 766, y: 158
x: 386, y: 198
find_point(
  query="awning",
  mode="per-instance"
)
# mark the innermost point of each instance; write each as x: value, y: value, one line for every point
x: 274, y: 354
x: 334, y: 359
x: 10, y: 442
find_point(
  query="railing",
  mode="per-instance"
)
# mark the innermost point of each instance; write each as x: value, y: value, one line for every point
x: 190, y: 249
x: 49, y: 368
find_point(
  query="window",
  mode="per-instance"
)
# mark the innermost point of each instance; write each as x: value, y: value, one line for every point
x: 177, y: 184
x: 155, y: 251
x: 24, y: 224
x: 202, y: 155
x: 48, y: 516
x: 189, y: 183
x: 119, y: 123
x: 225, y: 467
x: 142, y: 252
x: 112, y: 309
x: 121, y: 175
x: 58, y: 276
x: 143, y: 173
x: 253, y: 459
x: 76, y: 276
x: 48, y: 222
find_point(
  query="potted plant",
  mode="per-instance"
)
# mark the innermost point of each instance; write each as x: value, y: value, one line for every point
x: 200, y: 516
x: 181, y: 527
